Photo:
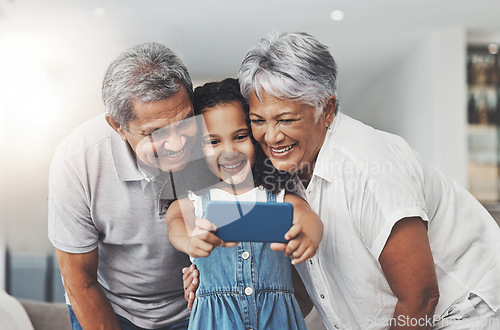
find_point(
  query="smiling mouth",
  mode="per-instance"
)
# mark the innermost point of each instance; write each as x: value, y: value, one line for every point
x: 282, y: 151
x: 232, y: 166
x: 172, y: 154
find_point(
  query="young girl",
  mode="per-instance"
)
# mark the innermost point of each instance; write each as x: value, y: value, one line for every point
x: 242, y: 285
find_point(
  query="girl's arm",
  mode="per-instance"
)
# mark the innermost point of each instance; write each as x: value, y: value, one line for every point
x: 305, y: 234
x: 187, y: 234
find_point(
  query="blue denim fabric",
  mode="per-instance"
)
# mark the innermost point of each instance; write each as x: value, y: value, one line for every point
x: 75, y: 325
x: 239, y: 293
x: 126, y: 324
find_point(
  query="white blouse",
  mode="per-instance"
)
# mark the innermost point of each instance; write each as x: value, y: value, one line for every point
x: 366, y: 180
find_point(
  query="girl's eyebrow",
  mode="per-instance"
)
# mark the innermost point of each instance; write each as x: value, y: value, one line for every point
x: 211, y: 135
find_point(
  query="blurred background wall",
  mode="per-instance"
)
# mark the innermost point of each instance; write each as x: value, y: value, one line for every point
x: 402, y: 69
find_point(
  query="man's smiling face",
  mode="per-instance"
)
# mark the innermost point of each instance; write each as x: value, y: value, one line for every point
x: 163, y: 132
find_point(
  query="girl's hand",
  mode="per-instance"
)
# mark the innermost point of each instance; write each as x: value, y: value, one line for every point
x: 202, y: 241
x: 300, y: 247
x: 202, y: 226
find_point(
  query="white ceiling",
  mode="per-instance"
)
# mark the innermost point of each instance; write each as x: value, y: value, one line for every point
x: 213, y: 36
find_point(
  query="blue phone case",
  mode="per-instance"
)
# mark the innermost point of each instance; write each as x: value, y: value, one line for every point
x: 250, y: 221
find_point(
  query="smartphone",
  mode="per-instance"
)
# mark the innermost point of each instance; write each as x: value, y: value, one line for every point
x: 250, y: 221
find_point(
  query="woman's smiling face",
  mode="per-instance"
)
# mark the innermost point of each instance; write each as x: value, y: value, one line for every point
x: 288, y: 132
x: 228, y: 148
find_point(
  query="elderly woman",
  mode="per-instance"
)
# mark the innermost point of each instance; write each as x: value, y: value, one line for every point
x: 403, y: 246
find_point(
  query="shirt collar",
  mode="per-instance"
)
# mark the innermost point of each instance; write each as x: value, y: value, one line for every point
x: 124, y: 159
x: 323, y: 166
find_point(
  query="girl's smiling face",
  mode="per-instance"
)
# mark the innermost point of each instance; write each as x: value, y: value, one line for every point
x: 228, y: 148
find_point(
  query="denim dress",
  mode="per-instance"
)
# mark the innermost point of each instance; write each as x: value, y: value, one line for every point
x: 245, y: 287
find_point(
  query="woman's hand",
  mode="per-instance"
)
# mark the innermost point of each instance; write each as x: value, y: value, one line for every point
x: 300, y: 247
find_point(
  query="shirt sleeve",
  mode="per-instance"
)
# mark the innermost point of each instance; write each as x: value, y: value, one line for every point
x: 380, y: 193
x: 70, y: 225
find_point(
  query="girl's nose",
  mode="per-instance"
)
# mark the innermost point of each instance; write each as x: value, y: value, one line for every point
x: 229, y: 155
x: 229, y: 148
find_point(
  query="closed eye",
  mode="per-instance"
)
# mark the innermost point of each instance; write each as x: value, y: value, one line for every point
x: 257, y: 121
x: 185, y: 123
x: 287, y: 121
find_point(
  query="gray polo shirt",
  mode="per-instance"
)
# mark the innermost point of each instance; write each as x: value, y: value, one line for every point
x: 96, y: 200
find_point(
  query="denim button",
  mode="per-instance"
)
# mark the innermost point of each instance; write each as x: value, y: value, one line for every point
x: 245, y: 255
x: 248, y: 291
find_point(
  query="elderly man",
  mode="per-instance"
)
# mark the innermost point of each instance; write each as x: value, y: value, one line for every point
x: 403, y: 246
x: 107, y: 206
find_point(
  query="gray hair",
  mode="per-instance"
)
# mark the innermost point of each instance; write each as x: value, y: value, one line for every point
x: 290, y: 66
x: 146, y: 73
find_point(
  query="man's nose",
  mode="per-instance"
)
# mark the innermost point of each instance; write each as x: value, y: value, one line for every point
x: 174, y: 142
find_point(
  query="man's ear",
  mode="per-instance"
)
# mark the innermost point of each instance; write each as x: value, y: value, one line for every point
x: 116, y: 126
x: 329, y: 109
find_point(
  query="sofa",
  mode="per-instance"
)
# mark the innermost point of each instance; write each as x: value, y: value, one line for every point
x: 47, y: 316
x: 23, y: 314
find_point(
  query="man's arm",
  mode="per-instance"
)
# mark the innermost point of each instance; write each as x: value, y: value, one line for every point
x: 90, y: 304
x: 409, y: 269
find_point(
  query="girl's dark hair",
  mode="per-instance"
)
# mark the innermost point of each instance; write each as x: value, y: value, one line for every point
x: 227, y: 91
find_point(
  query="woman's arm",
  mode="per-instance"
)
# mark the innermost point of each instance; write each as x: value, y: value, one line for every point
x: 408, y: 266
x: 305, y: 234
x: 186, y: 233
x: 301, y: 295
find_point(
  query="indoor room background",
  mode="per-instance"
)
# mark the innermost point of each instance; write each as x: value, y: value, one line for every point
x: 406, y: 67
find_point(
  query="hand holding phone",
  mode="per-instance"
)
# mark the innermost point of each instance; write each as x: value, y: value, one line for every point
x: 250, y: 221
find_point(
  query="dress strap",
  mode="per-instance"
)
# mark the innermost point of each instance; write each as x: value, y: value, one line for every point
x: 270, y: 196
x: 205, y: 198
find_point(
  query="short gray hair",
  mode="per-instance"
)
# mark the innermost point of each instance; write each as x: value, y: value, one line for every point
x: 290, y: 66
x: 147, y: 72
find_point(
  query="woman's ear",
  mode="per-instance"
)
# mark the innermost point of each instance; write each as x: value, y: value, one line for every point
x: 329, y: 109
x: 116, y: 126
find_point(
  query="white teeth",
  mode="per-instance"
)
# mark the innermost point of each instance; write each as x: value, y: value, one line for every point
x: 173, y: 154
x: 280, y: 151
x: 230, y: 167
